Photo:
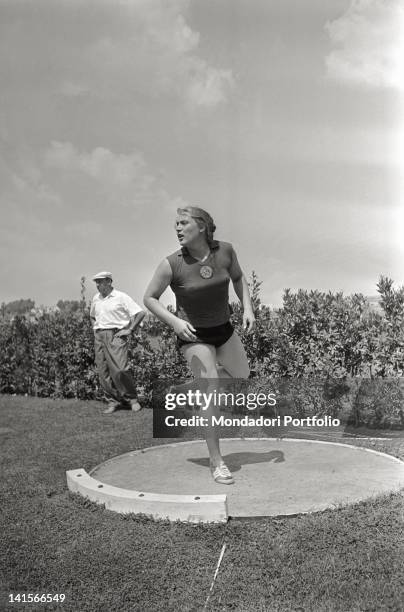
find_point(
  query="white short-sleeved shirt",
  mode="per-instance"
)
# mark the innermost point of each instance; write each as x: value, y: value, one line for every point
x: 113, y: 311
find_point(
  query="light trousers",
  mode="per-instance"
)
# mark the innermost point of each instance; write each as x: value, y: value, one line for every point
x: 111, y: 358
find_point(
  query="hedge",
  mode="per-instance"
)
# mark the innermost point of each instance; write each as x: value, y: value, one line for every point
x: 332, y: 338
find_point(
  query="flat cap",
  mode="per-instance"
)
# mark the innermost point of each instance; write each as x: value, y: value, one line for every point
x: 103, y: 274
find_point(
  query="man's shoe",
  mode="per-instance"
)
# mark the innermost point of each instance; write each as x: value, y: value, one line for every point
x: 111, y: 409
x: 135, y: 406
x: 221, y: 474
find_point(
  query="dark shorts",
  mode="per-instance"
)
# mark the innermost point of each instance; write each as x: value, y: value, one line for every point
x: 217, y: 336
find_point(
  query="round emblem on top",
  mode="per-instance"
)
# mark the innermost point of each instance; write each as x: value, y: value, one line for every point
x: 206, y: 272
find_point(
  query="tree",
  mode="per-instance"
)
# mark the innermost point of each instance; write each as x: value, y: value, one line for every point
x: 18, y: 307
x: 69, y: 305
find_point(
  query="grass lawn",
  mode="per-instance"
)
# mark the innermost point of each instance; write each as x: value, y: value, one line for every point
x: 349, y: 559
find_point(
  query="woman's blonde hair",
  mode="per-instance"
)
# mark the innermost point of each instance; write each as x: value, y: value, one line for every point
x: 202, y: 218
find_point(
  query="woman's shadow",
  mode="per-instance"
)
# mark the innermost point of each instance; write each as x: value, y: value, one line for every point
x: 235, y: 461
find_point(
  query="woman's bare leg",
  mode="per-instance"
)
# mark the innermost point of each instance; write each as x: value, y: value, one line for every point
x: 202, y: 359
x: 232, y: 359
x: 227, y: 361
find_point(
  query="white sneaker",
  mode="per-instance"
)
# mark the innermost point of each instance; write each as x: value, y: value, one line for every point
x: 221, y: 474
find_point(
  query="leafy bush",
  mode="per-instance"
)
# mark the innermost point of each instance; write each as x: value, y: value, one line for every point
x: 48, y: 354
x: 317, y: 342
x: 378, y: 403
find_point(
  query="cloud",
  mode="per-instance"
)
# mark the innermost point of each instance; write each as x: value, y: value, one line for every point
x: 209, y: 86
x: 65, y: 210
x: 77, y: 193
x: 158, y: 54
x: 110, y: 50
x: 100, y: 164
x: 368, y: 44
x: 105, y: 178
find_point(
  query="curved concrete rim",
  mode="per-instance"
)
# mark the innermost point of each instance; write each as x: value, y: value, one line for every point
x: 189, y: 508
x: 274, y: 479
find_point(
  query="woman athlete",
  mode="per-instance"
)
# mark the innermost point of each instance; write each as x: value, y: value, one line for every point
x: 199, y: 274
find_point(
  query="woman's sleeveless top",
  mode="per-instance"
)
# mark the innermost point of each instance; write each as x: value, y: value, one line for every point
x: 204, y: 300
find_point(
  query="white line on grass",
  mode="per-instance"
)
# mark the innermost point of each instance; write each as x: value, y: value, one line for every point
x: 214, y: 577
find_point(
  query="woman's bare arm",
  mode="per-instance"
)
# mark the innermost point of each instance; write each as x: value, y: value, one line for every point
x: 158, y: 284
x: 243, y: 293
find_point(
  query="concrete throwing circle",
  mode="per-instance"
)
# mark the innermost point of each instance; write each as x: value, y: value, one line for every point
x: 273, y: 477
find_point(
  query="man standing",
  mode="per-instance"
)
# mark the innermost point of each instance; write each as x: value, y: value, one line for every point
x: 114, y: 316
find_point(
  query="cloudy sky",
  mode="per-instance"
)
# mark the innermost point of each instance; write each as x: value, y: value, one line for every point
x: 283, y: 118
